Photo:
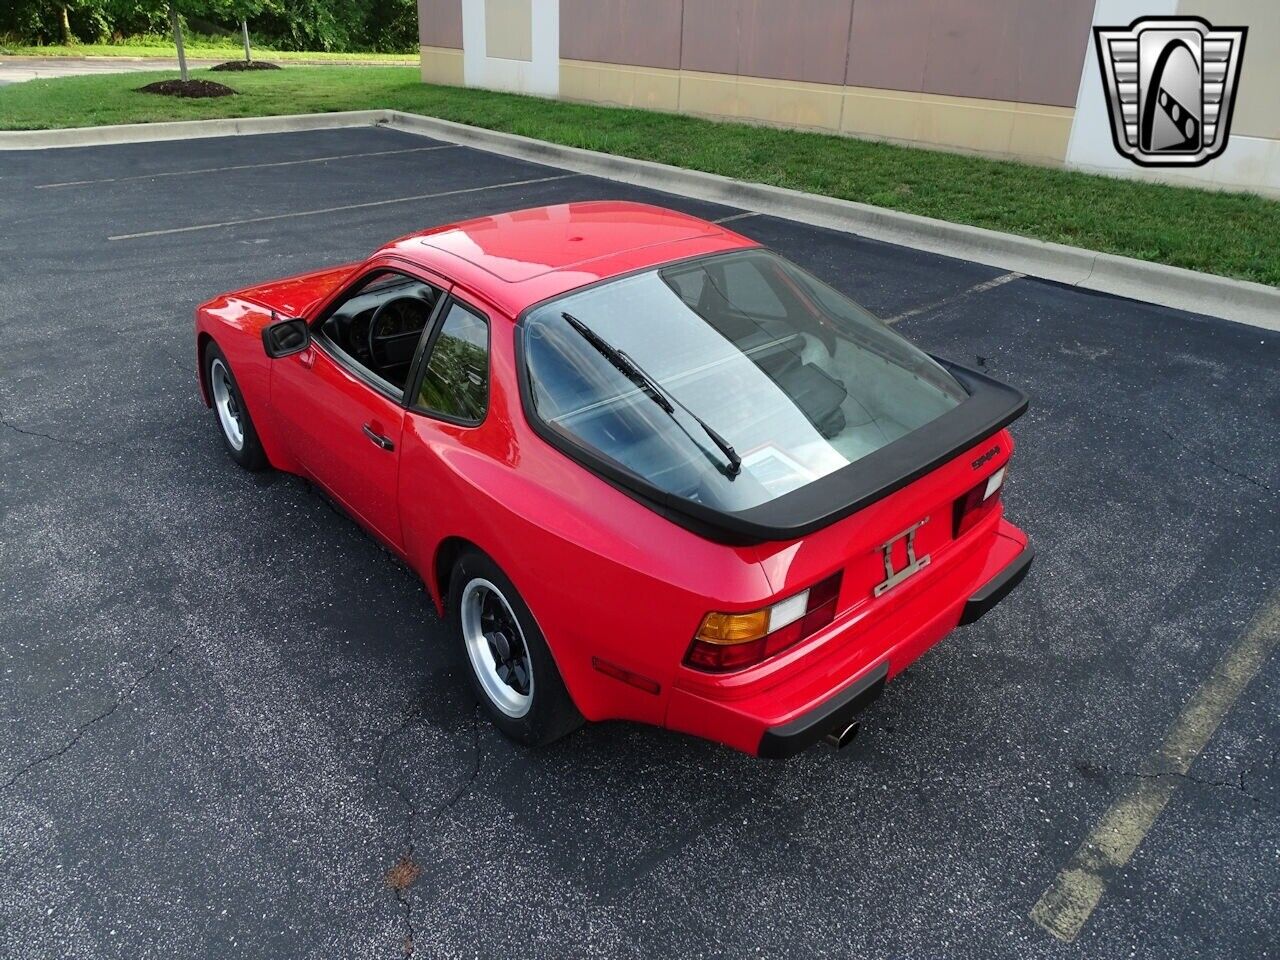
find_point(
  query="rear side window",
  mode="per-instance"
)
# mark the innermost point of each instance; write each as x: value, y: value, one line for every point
x: 455, y: 383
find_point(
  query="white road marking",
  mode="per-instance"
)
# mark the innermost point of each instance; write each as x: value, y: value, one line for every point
x: 348, y: 206
x: 243, y: 166
x: 1066, y: 906
x: 736, y: 216
x: 976, y: 288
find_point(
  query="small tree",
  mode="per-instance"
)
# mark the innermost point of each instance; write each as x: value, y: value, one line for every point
x: 238, y: 11
x: 176, y: 23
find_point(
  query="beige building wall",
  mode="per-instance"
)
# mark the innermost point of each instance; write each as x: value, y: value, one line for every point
x: 508, y: 29
x: 1002, y: 78
x: 992, y: 127
x: 1257, y: 112
x: 941, y: 73
x: 440, y: 41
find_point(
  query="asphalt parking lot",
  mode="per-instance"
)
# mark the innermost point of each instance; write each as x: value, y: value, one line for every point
x: 227, y: 713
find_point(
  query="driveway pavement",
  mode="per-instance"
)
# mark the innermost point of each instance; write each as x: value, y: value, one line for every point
x: 227, y: 714
x: 18, y: 69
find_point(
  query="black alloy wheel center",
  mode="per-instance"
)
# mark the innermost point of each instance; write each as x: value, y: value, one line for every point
x: 510, y: 659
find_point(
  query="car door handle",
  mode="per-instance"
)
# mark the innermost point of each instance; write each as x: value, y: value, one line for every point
x: 378, y: 439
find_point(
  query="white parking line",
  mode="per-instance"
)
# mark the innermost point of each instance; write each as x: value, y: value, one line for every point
x: 347, y: 206
x: 736, y: 216
x: 976, y: 288
x: 1066, y: 906
x: 244, y: 166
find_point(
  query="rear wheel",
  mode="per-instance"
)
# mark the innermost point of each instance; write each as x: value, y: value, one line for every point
x: 506, y: 656
x: 238, y: 434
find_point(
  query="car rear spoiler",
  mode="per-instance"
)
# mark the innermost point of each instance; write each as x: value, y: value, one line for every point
x: 990, y: 407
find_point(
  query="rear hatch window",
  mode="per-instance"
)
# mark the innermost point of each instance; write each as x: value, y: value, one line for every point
x: 728, y: 386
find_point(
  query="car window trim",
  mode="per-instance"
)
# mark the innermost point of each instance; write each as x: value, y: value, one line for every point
x: 426, y: 349
x: 350, y: 364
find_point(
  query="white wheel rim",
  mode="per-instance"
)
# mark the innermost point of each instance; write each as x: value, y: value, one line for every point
x: 224, y: 401
x: 497, y: 649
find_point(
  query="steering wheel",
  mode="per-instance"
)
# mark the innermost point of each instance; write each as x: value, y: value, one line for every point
x: 377, y: 317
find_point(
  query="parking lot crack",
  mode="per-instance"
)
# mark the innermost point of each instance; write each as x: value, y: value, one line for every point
x: 43, y: 436
x: 1248, y: 771
x: 1236, y: 784
x: 405, y: 871
x: 1247, y: 478
x: 89, y: 724
x: 466, y: 784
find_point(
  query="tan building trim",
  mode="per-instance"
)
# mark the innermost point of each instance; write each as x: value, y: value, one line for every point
x: 441, y: 65
x: 787, y: 103
x: 652, y: 88
x: 998, y: 128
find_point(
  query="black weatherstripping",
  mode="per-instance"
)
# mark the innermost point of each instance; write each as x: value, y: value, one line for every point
x: 788, y: 739
x: 989, y: 407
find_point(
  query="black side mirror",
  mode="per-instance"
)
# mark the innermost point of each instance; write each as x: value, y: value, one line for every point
x: 286, y: 337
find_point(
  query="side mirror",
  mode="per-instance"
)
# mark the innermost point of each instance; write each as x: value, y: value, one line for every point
x: 286, y: 337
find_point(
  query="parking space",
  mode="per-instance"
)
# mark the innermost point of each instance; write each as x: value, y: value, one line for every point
x: 227, y: 713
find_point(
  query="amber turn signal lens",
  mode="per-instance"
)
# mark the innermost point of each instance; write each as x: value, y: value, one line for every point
x: 732, y: 641
x: 733, y: 627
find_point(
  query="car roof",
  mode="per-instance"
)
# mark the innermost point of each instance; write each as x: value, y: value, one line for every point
x: 520, y: 258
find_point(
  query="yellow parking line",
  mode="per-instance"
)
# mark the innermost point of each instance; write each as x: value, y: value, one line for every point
x: 1066, y: 906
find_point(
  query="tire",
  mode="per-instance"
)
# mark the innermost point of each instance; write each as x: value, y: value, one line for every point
x: 490, y: 621
x: 234, y: 423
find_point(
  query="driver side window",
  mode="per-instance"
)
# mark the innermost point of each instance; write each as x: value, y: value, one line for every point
x: 379, y: 323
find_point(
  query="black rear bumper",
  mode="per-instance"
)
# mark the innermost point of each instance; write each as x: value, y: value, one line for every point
x: 998, y: 587
x: 803, y: 732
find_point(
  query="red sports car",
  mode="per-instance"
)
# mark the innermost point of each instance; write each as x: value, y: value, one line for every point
x: 647, y: 469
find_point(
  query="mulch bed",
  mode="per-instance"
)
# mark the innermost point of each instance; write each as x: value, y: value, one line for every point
x: 188, y: 88
x: 246, y: 65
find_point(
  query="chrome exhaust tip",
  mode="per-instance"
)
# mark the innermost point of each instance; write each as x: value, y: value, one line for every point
x: 840, y: 737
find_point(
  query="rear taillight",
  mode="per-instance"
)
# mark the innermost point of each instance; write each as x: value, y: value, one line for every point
x: 978, y: 503
x: 732, y: 641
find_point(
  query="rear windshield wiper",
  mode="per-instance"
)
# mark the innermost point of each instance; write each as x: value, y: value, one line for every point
x: 626, y: 366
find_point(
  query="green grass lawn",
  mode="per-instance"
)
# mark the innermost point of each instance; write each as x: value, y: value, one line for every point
x: 1237, y: 235
x: 197, y: 50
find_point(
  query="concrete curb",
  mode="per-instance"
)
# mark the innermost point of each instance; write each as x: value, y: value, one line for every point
x: 1255, y: 304
x: 185, y: 130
